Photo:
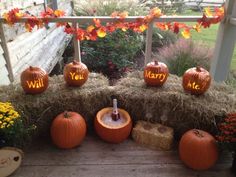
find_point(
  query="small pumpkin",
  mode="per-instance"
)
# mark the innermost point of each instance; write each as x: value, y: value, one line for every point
x: 76, y: 73
x: 113, y: 125
x: 68, y: 130
x: 155, y: 73
x: 198, y: 149
x: 196, y: 80
x: 34, y: 80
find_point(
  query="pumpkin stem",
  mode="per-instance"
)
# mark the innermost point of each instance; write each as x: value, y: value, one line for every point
x: 66, y: 114
x: 155, y: 62
x: 198, y: 133
x: 115, y: 114
x: 31, y: 68
x: 198, y: 69
x: 75, y: 62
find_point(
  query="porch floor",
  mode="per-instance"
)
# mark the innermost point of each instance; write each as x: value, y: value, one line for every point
x: 96, y: 158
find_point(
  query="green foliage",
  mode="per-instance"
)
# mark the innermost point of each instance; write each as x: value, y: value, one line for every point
x: 185, y: 54
x: 113, y: 53
x: 14, y: 130
x: 107, y: 7
x: 162, y: 38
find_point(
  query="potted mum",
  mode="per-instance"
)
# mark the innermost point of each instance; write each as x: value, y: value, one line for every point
x: 14, y: 133
x: 227, y: 136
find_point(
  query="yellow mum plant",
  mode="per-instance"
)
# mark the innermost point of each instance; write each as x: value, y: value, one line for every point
x: 14, y: 131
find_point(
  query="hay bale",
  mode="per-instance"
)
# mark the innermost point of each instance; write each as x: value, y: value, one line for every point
x: 41, y: 109
x: 154, y: 136
x: 172, y: 106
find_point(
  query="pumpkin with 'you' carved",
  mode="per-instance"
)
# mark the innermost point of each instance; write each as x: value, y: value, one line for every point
x: 34, y: 80
x: 155, y: 73
x: 76, y: 73
x: 196, y: 80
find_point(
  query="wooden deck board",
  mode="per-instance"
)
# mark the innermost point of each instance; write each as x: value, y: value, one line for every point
x: 97, y: 158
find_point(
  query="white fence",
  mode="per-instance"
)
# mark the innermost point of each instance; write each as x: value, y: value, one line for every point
x: 223, y: 50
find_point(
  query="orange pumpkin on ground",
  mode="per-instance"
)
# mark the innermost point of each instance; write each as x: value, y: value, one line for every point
x: 113, y: 130
x: 76, y: 73
x: 34, y: 80
x: 196, y: 80
x: 198, y: 149
x: 155, y: 73
x: 68, y: 130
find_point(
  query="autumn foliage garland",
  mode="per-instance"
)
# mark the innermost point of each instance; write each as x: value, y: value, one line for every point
x: 92, y: 32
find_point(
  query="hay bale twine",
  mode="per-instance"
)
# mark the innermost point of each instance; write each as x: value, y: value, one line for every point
x: 172, y: 106
x: 41, y: 109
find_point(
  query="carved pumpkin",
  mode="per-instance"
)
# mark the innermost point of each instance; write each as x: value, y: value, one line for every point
x: 196, y: 80
x: 75, y: 73
x: 155, y: 73
x: 198, y: 149
x: 34, y: 80
x: 68, y: 130
x: 113, y: 127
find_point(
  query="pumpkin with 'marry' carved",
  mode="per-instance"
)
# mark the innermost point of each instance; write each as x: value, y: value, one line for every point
x: 155, y: 73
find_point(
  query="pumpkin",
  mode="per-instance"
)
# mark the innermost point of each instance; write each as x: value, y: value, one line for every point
x: 76, y: 73
x: 68, y: 130
x: 34, y: 80
x: 155, y: 73
x: 113, y: 126
x: 198, y: 149
x: 196, y: 80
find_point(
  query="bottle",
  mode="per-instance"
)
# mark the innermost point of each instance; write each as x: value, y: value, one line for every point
x: 115, y: 114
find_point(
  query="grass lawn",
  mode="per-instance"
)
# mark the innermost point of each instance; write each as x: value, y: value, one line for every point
x: 209, y: 36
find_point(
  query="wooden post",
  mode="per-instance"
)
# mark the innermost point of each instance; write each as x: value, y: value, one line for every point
x: 6, y: 53
x: 148, y: 49
x: 54, y: 4
x: 77, y: 54
x: 225, y: 43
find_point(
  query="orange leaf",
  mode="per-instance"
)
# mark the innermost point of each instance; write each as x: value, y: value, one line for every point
x: 162, y: 26
x: 207, y: 12
x: 114, y: 14
x: 197, y: 27
x: 97, y: 22
x: 123, y: 15
x: 220, y: 11
x: 156, y: 12
x: 90, y: 28
x: 142, y: 28
x: 59, y: 13
x: 186, y: 33
x: 101, y: 32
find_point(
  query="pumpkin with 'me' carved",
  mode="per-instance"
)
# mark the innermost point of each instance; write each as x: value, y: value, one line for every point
x: 196, y: 80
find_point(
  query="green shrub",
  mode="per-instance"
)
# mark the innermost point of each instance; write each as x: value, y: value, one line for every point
x: 107, y: 7
x: 113, y: 53
x: 162, y: 38
x: 185, y: 54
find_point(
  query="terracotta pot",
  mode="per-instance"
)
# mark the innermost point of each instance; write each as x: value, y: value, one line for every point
x: 113, y: 132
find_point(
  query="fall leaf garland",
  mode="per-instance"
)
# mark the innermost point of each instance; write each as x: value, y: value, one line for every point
x: 98, y: 29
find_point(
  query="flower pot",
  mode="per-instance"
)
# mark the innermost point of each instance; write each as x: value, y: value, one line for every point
x: 10, y: 160
x: 113, y: 131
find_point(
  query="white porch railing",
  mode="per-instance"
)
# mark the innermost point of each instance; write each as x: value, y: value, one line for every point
x: 223, y: 50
